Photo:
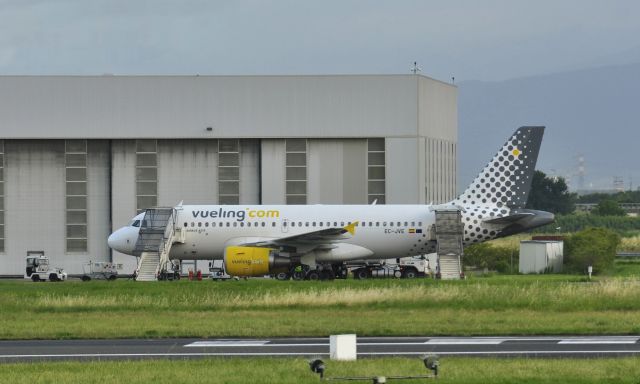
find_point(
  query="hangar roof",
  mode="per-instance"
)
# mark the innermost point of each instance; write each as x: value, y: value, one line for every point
x: 114, y: 107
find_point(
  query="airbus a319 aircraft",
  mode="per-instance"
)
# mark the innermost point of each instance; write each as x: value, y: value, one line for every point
x: 254, y: 240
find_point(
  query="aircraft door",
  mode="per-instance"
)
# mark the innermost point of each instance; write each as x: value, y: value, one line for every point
x: 285, y: 225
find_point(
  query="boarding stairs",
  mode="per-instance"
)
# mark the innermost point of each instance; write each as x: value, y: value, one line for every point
x: 449, y: 232
x: 157, y: 235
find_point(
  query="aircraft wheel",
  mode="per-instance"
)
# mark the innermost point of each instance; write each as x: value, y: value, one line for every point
x: 327, y: 275
x: 361, y: 274
x: 410, y: 274
x: 313, y: 275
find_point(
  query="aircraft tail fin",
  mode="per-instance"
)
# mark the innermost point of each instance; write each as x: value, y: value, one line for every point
x: 506, y: 180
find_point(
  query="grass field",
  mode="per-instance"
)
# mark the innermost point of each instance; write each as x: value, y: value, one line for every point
x: 500, y: 305
x: 452, y: 370
x: 628, y: 243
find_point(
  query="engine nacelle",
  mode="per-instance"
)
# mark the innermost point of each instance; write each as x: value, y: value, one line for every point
x: 253, y: 261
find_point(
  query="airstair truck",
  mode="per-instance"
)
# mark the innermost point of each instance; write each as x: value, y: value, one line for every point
x: 38, y: 268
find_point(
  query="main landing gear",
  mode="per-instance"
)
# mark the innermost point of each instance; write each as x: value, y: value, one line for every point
x: 321, y: 272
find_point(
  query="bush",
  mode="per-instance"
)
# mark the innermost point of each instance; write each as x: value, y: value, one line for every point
x: 592, y: 246
x: 608, y: 207
x: 485, y: 255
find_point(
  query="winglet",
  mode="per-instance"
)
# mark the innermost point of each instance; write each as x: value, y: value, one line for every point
x: 351, y: 228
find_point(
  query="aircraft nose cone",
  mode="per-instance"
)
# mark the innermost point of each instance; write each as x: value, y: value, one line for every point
x: 120, y: 241
x: 114, y: 241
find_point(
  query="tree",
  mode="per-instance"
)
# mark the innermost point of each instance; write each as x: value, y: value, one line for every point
x: 608, y: 207
x: 593, y: 246
x: 550, y: 194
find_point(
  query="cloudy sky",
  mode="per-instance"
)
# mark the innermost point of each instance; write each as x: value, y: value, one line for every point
x: 468, y: 39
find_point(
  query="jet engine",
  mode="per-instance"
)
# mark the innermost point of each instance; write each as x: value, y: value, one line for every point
x: 254, y: 261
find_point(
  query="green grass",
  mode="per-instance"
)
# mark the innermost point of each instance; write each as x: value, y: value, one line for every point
x: 629, y: 267
x: 286, y: 370
x: 501, y: 305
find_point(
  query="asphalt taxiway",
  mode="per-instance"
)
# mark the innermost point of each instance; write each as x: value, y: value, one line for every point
x: 560, y: 346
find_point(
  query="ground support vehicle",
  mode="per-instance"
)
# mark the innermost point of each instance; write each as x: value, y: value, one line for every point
x: 38, y: 268
x: 217, y: 271
x: 100, y: 270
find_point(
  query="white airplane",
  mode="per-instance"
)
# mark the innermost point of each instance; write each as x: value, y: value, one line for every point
x: 255, y: 240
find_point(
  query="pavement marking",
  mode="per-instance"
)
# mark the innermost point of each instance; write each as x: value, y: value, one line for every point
x: 470, y: 341
x: 228, y: 343
x: 600, y: 341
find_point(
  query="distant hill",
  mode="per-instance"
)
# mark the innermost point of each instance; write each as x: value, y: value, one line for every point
x: 592, y: 112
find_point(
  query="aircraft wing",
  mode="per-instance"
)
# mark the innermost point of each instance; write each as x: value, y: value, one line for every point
x: 320, y: 237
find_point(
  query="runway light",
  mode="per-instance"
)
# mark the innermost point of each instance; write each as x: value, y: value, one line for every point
x: 431, y: 363
x: 317, y: 366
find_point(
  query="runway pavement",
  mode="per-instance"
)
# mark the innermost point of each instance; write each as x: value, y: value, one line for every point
x: 569, y: 346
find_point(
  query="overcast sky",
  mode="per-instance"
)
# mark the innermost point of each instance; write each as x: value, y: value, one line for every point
x: 471, y: 40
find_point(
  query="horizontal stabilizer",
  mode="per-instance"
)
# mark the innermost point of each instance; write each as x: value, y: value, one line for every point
x: 509, y: 219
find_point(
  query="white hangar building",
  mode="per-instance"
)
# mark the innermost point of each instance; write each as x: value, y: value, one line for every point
x: 81, y: 155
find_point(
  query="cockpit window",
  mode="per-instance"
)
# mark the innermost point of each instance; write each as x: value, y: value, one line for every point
x: 136, y: 223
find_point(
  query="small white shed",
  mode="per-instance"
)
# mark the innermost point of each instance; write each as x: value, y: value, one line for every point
x: 540, y: 256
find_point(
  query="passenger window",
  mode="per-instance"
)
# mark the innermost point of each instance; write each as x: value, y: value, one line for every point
x: 213, y: 224
x: 264, y: 224
x: 391, y: 224
x: 320, y: 223
x: 384, y: 224
x: 206, y: 224
x: 364, y: 223
x: 420, y: 224
x: 377, y: 223
x: 235, y: 223
x: 193, y: 224
x: 328, y: 223
x: 293, y: 223
x: 242, y: 223
x: 314, y: 224
x: 199, y: 223
x: 399, y: 224
x: 406, y: 224
x: 413, y: 223
x: 228, y: 224
x: 335, y: 223
x: 342, y: 223
x: 273, y: 224
x: 306, y: 224
x: 185, y: 224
